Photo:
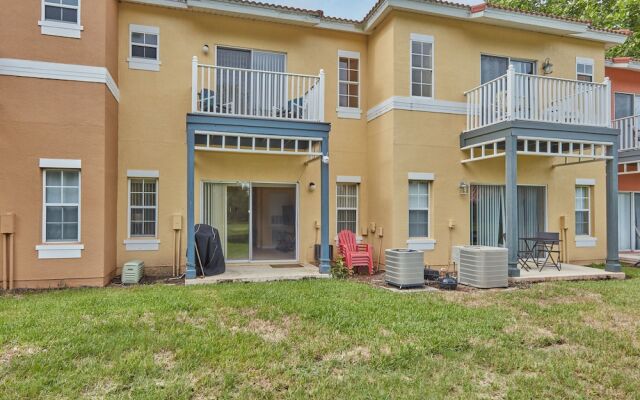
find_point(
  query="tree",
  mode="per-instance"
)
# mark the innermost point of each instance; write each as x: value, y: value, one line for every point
x: 611, y: 14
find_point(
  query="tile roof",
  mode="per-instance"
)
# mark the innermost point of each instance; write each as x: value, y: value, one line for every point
x: 472, y: 9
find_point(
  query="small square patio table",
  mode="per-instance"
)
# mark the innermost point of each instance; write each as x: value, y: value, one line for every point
x: 542, y: 250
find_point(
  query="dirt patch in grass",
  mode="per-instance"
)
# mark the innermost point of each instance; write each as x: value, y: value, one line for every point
x: 100, y: 390
x: 16, y: 351
x: 197, y: 322
x: 165, y: 359
x: 356, y: 354
x: 269, y: 331
x: 612, y: 320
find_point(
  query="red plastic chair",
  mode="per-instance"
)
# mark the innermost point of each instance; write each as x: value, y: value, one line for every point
x: 355, y: 255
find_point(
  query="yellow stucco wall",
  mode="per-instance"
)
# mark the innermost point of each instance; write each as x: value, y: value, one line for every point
x: 411, y: 141
x: 154, y: 106
x: 381, y: 151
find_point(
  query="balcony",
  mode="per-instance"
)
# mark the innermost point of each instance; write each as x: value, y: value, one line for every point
x: 629, y: 128
x: 516, y: 96
x: 239, y: 92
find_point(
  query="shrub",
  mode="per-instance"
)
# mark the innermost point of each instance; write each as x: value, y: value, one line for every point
x: 339, y: 269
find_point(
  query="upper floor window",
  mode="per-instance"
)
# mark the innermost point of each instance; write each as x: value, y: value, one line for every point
x: 584, y: 69
x: 626, y: 105
x: 348, y: 84
x: 144, y: 47
x: 493, y: 67
x: 61, y: 18
x: 421, y: 65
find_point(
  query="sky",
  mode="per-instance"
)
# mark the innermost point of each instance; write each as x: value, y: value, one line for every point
x: 352, y: 9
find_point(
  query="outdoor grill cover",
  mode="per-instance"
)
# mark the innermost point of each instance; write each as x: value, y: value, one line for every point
x: 209, y: 257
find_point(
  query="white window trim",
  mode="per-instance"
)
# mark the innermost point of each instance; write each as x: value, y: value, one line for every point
x: 588, y: 210
x: 142, y: 244
x: 357, y: 185
x: 60, y: 163
x: 585, y: 182
x: 144, y: 63
x: 143, y: 173
x: 350, y: 112
x: 141, y: 240
x: 586, y: 241
x: 62, y: 29
x: 44, y: 214
x: 348, y: 179
x: 418, y: 37
x: 585, y: 61
x: 421, y: 244
x: 417, y: 240
x: 421, y: 176
x: 59, y: 251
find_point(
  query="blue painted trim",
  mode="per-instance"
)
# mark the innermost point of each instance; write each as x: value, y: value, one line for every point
x: 258, y: 126
x: 613, y: 257
x: 511, y: 200
x: 325, y: 263
x: 191, y: 266
x: 548, y: 130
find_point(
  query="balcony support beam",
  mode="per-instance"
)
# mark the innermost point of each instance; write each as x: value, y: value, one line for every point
x: 511, y: 200
x: 613, y: 260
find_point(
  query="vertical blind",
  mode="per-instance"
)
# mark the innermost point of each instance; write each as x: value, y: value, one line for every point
x: 488, y: 209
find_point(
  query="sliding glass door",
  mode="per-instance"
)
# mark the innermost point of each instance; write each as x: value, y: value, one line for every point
x: 255, y: 221
x: 628, y: 221
x: 488, y: 211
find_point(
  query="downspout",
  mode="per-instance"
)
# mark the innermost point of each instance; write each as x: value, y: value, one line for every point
x: 7, y: 229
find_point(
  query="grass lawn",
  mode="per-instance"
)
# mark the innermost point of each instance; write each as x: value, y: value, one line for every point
x: 322, y: 339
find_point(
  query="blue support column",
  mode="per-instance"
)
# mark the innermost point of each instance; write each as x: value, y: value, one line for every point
x: 511, y: 200
x: 191, y: 266
x: 613, y: 260
x: 325, y: 266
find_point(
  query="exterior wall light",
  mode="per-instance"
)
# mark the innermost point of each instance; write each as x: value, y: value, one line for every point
x: 547, y: 67
x: 205, y: 49
x: 312, y: 186
x: 463, y: 188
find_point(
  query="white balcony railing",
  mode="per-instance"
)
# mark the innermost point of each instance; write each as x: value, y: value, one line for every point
x: 516, y: 96
x: 629, y: 128
x: 260, y: 94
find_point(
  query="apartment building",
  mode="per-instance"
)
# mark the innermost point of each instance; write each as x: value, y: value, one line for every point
x: 425, y: 125
x: 624, y: 73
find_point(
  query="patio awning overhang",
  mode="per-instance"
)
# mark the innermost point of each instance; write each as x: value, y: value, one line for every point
x: 258, y: 136
x: 511, y: 138
x: 540, y: 139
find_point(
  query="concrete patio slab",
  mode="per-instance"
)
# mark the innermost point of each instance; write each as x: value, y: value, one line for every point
x: 569, y: 272
x: 629, y: 258
x: 260, y: 273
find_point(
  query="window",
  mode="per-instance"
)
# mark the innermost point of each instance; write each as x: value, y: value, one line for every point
x: 347, y: 205
x: 144, y: 47
x: 418, y: 209
x: 61, y: 10
x: 348, y: 83
x: 493, y: 67
x: 626, y: 105
x: 143, y: 208
x: 584, y: 69
x: 61, y: 18
x: 421, y: 65
x: 61, y: 205
x: 583, y: 211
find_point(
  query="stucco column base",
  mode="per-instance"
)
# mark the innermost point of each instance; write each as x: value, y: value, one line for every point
x: 514, y: 271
